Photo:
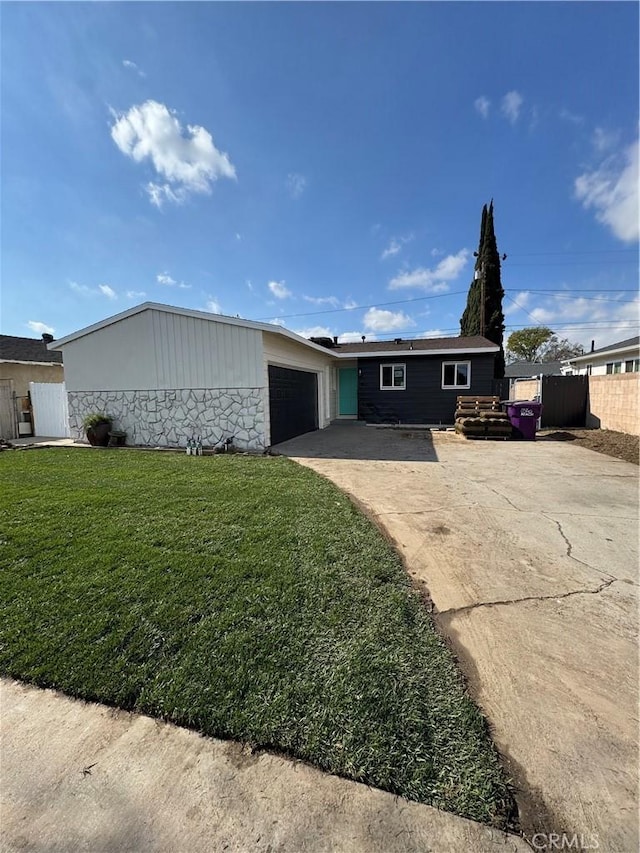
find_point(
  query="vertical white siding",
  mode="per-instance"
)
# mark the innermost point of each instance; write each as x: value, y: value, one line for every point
x: 162, y: 350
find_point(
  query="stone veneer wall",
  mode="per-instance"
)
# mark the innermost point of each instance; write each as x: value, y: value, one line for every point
x: 169, y: 418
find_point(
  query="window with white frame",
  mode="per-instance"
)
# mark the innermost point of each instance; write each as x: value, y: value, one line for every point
x: 456, y: 374
x: 632, y: 366
x: 614, y: 367
x: 393, y: 377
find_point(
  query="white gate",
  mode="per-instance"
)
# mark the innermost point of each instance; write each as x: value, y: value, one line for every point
x: 50, y: 410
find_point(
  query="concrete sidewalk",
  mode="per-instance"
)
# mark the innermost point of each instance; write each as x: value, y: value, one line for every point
x: 83, y: 777
x: 530, y: 554
x: 44, y: 441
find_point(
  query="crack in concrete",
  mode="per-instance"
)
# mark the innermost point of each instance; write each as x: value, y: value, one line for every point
x: 527, y: 598
x: 508, y: 500
x: 570, y: 547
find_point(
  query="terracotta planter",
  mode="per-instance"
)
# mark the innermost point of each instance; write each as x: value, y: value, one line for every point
x: 98, y: 436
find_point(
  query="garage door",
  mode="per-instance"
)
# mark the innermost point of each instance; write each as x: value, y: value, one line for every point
x: 293, y: 402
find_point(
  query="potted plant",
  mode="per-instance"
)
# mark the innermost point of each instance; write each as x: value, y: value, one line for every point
x: 96, y: 426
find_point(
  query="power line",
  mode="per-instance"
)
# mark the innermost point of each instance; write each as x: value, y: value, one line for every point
x: 573, y: 252
x: 363, y: 307
x: 443, y: 296
x: 576, y: 263
x: 601, y: 325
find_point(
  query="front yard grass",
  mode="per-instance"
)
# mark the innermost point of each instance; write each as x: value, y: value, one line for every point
x: 246, y: 598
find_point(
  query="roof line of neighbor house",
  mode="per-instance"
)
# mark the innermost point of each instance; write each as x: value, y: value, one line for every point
x: 613, y: 349
x: 264, y: 327
x: 186, y: 312
x: 31, y: 363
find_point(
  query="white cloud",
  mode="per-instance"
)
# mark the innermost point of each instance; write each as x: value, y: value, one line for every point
x: 612, y: 191
x: 482, y: 106
x: 574, y: 118
x: 168, y: 281
x: 279, y: 290
x: 381, y: 320
x: 510, y: 106
x: 249, y: 285
x: 436, y: 253
x: 604, y: 140
x: 296, y: 184
x: 186, y: 161
x: 350, y: 304
x: 542, y: 315
x: 40, y: 328
x: 433, y: 280
x: 238, y: 237
x: 213, y: 306
x: 276, y: 321
x: 395, y: 246
x: 601, y: 317
x: 133, y: 67
x: 322, y: 300
x: 355, y: 337
x: 101, y: 290
x: 392, y: 249
x: 314, y: 332
x: 434, y: 333
x: 135, y: 294
x: 107, y: 291
x: 517, y: 303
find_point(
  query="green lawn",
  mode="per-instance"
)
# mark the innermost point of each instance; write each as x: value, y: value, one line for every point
x: 244, y: 597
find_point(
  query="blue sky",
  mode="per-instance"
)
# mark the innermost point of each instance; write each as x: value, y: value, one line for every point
x: 322, y: 166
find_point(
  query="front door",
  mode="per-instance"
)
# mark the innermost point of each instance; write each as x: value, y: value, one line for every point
x: 348, y: 391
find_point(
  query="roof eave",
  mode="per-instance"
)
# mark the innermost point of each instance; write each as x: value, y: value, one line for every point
x: 410, y: 352
x: 601, y: 354
x: 35, y: 363
x: 185, y: 312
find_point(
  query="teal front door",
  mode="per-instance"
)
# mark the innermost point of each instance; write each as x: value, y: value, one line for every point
x: 348, y: 391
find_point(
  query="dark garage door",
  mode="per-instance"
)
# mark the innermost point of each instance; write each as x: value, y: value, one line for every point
x: 293, y: 396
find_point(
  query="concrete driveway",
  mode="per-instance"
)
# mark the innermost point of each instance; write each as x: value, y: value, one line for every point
x: 529, y: 552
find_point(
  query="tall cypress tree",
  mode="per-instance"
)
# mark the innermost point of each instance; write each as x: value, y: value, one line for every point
x: 486, y: 280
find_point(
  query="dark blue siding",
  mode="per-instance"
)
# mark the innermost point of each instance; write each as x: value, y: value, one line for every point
x: 423, y: 400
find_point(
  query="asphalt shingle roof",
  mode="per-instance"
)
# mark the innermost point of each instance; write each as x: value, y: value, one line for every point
x: 27, y: 349
x: 459, y: 343
x: 519, y: 369
x: 630, y: 342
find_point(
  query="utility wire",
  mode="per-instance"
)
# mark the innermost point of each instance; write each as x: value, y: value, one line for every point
x: 563, y: 293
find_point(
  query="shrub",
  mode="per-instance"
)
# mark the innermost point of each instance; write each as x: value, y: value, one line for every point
x: 94, y: 419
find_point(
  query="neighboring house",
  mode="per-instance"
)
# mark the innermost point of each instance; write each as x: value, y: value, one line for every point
x: 165, y: 374
x: 621, y: 357
x: 24, y: 360
x: 530, y: 370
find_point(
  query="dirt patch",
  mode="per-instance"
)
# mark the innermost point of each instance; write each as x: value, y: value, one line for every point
x: 607, y: 441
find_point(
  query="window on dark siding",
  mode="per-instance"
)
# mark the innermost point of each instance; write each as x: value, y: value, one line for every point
x: 393, y: 377
x: 456, y: 374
